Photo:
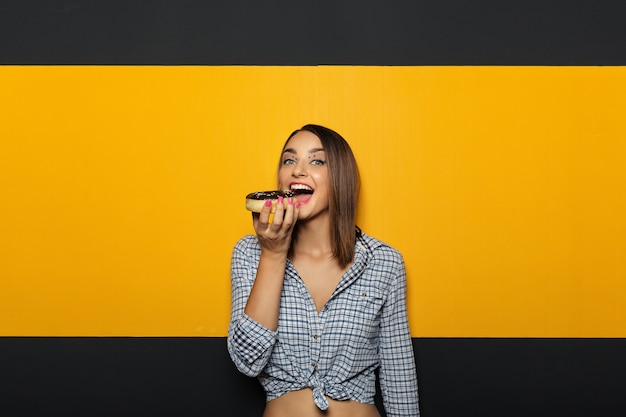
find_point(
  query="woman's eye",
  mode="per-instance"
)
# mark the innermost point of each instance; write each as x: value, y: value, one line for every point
x: 318, y: 162
x: 289, y: 161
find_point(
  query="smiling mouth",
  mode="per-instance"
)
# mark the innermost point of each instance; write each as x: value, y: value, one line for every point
x: 299, y: 189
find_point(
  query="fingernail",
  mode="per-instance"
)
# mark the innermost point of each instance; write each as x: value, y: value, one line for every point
x: 268, y: 203
x: 290, y: 200
x: 280, y: 200
x: 298, y: 205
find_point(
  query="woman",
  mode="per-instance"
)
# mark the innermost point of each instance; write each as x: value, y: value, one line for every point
x: 317, y: 305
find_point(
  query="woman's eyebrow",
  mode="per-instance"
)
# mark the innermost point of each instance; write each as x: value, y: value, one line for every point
x: 293, y: 151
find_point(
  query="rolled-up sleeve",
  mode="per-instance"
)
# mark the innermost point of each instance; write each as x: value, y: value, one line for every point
x: 398, y: 378
x: 249, y: 343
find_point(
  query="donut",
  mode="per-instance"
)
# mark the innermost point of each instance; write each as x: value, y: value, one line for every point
x: 255, y: 201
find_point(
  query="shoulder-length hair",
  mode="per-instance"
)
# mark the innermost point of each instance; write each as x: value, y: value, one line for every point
x: 344, y: 182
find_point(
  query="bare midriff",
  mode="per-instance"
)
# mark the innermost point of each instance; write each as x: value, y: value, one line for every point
x: 300, y: 403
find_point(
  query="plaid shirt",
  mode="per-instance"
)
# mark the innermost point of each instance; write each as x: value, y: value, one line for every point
x: 362, y: 327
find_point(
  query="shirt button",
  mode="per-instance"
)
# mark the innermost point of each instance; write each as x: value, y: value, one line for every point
x: 315, y: 336
x: 313, y: 364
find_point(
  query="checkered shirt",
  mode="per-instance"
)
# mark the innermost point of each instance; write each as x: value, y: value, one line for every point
x: 362, y: 327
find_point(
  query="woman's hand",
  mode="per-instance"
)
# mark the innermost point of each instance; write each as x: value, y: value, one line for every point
x: 275, y: 236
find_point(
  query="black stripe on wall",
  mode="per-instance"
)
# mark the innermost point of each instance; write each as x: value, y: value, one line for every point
x: 194, y: 377
x: 286, y: 32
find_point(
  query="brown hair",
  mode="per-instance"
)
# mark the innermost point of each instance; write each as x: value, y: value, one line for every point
x: 344, y: 181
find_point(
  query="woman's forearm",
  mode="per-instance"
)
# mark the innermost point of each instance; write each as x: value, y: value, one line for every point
x: 264, y: 301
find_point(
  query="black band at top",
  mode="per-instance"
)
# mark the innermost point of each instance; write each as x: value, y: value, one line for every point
x: 286, y: 32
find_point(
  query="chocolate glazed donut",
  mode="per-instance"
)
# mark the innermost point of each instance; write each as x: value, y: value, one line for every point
x: 255, y: 201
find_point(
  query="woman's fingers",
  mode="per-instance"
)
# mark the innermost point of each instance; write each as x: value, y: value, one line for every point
x: 279, y: 215
x: 291, y: 214
x: 275, y: 232
x: 264, y: 215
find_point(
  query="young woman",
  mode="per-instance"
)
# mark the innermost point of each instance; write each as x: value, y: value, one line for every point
x: 317, y: 305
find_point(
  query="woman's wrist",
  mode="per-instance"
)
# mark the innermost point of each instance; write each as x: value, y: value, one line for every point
x: 270, y: 255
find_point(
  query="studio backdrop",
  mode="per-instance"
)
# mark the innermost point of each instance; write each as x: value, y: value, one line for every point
x: 491, y: 147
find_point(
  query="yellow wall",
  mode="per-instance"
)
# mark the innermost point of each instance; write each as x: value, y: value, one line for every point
x: 123, y: 191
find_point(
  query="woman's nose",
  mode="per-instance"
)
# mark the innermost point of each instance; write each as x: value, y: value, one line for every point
x: 299, y: 169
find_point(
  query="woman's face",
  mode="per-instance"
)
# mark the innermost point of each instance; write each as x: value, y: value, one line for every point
x: 304, y: 170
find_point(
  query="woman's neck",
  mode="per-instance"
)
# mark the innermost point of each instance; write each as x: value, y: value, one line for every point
x: 314, y: 238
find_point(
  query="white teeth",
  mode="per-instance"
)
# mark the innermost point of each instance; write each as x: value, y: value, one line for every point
x: 301, y: 187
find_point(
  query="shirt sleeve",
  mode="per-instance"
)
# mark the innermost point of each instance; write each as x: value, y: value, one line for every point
x: 398, y: 377
x: 249, y: 343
